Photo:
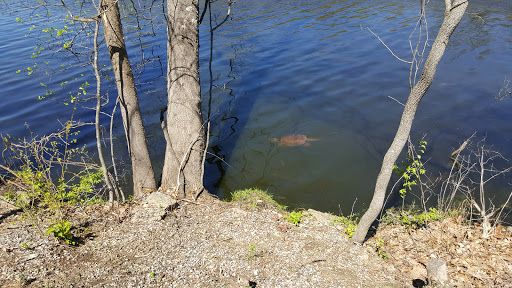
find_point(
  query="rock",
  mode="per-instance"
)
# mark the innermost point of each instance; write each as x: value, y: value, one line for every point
x: 437, y: 272
x: 160, y: 200
x: 154, y: 207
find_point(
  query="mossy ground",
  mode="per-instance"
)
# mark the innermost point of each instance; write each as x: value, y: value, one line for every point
x: 255, y: 198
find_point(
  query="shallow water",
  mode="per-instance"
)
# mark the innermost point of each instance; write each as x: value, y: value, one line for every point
x: 302, y: 67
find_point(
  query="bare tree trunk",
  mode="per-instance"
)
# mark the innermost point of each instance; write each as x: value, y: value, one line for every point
x: 452, y: 18
x: 143, y: 174
x: 97, y: 117
x: 184, y: 129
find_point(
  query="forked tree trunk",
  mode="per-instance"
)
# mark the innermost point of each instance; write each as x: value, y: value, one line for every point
x: 184, y: 130
x: 143, y: 175
x: 452, y: 17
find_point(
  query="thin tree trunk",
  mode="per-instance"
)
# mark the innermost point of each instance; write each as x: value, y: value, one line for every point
x: 97, y: 117
x: 452, y: 18
x: 185, y: 131
x: 143, y: 174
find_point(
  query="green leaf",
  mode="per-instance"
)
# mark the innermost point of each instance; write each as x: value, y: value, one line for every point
x: 18, y: 20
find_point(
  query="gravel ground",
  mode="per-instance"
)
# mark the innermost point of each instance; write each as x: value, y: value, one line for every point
x: 208, y: 243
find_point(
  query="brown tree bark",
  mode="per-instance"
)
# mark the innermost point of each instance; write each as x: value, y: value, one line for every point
x: 143, y: 174
x: 184, y: 130
x: 453, y: 14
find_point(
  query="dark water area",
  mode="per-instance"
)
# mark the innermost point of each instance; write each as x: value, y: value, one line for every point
x: 298, y: 67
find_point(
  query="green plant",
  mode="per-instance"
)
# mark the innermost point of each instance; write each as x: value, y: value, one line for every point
x: 47, y: 166
x: 93, y: 201
x: 52, y: 174
x: 152, y: 275
x: 351, y: 228
x: 348, y: 222
x: 294, y: 217
x: 254, y: 198
x: 414, y: 218
x: 252, y: 251
x: 412, y: 169
x: 432, y: 215
x: 86, y: 186
x: 61, y: 231
x: 24, y: 245
x: 378, y: 248
x: 82, y: 229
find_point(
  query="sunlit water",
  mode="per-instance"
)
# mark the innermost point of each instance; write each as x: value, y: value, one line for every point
x: 305, y: 67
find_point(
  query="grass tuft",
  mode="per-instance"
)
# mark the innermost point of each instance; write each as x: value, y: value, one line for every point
x: 255, y: 198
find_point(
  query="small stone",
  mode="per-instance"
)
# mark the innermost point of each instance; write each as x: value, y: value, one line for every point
x: 30, y: 257
x: 160, y: 200
x: 437, y: 272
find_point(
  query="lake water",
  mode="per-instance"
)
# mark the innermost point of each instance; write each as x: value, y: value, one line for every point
x: 297, y: 67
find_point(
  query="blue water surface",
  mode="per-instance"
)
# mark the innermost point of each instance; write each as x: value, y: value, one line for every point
x: 292, y: 67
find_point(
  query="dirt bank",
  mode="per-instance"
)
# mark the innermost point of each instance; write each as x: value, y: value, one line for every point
x: 211, y: 243
x: 205, y: 244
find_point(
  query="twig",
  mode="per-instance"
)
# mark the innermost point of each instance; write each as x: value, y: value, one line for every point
x: 116, y: 177
x: 223, y: 161
x: 225, y: 18
x: 396, y: 101
x: 80, y: 19
x: 206, y: 3
x: 462, y: 147
x: 353, y: 204
x: 408, y: 62
x: 97, y: 118
x: 195, y: 139
x: 8, y: 170
x: 195, y: 202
